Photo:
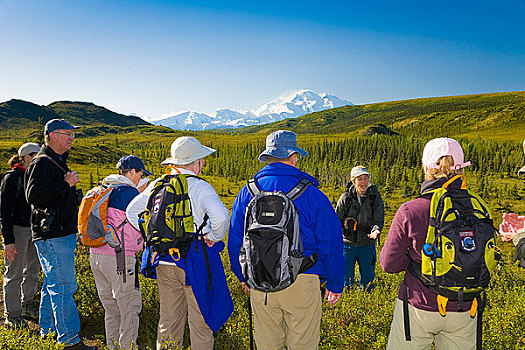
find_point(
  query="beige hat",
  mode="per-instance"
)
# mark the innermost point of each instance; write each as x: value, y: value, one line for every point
x: 185, y: 150
x: 28, y: 148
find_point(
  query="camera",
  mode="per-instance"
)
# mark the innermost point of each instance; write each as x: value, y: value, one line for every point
x: 350, y: 228
x: 47, y: 220
x: 350, y: 224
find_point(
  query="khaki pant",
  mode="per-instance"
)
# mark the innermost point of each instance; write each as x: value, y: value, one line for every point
x: 177, y: 299
x: 455, y: 331
x: 291, y: 316
x: 122, y: 302
x: 21, y: 274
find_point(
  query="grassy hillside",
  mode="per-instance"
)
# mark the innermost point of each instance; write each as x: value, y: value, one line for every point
x: 23, y: 116
x: 497, y: 116
x: 86, y: 113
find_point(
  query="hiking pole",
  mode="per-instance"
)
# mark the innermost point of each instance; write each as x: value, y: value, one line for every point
x: 251, y: 322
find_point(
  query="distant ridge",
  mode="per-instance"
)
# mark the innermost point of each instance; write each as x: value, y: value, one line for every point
x: 25, y: 114
x: 293, y: 105
x: 492, y: 113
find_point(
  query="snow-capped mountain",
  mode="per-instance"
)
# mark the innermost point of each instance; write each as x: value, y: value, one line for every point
x: 187, y: 121
x: 294, y: 105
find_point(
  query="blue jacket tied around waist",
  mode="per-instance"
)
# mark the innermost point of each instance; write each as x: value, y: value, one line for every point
x: 216, y: 305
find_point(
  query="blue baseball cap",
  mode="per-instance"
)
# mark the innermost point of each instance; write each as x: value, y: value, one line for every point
x: 132, y: 162
x: 58, y: 124
x: 281, y: 144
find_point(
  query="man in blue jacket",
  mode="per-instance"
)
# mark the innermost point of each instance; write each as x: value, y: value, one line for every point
x: 292, y: 316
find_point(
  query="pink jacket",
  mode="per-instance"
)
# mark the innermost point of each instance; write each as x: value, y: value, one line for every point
x: 121, y: 196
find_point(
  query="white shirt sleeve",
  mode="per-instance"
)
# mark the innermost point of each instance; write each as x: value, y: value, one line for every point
x: 218, y: 214
x: 206, y: 201
x: 138, y: 205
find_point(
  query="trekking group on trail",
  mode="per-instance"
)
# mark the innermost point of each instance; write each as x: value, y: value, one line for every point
x: 286, y: 243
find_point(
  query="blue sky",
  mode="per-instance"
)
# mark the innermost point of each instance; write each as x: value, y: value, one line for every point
x: 152, y: 58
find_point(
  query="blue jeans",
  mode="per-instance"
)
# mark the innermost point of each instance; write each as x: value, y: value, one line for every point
x: 366, y: 257
x: 58, y: 311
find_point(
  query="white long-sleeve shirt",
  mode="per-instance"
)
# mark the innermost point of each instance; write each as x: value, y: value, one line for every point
x: 204, y: 200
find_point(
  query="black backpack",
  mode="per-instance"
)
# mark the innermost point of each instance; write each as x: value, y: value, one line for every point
x: 271, y: 255
x: 19, y: 184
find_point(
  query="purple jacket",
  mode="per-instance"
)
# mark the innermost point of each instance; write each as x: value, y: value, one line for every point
x: 408, y: 232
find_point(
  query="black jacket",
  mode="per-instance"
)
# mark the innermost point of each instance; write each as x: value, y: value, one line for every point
x: 50, y: 196
x: 14, y: 209
x: 368, y: 213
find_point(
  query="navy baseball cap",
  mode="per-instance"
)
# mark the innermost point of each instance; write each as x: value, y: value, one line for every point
x: 132, y: 162
x: 58, y: 124
x: 281, y: 144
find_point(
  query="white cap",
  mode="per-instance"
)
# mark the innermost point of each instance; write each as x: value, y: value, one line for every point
x: 358, y: 171
x: 185, y: 150
x: 28, y: 148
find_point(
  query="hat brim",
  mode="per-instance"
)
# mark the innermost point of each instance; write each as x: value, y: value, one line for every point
x: 202, y: 153
x: 360, y: 173
x: 281, y: 153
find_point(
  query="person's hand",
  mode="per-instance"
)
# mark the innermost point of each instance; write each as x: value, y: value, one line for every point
x: 10, y: 252
x: 143, y: 184
x: 510, y: 226
x: 514, y: 221
x: 332, y: 297
x: 71, y: 178
x: 506, y: 237
x: 374, y: 234
x: 246, y: 288
x: 142, y: 187
x: 208, y: 241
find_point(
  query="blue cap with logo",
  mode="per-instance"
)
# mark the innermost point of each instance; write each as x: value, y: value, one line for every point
x: 132, y: 162
x: 58, y: 124
x: 281, y: 144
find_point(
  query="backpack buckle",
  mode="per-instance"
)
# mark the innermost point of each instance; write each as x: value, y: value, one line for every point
x: 431, y: 251
x: 171, y: 251
x: 442, y: 305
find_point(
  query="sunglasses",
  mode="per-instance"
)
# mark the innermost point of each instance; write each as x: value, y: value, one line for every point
x: 69, y: 134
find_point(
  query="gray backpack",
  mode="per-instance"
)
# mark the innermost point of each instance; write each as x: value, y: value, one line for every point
x: 271, y: 255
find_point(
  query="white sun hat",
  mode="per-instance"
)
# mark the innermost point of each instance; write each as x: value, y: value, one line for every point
x: 185, y: 150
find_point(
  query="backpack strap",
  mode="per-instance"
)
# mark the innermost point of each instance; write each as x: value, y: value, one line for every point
x: 120, y: 256
x: 253, y: 187
x: 52, y: 161
x: 200, y: 237
x: 298, y: 189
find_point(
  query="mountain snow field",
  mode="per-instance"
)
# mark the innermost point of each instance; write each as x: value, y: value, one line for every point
x: 297, y: 104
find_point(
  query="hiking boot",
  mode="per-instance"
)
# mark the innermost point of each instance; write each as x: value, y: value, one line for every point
x: 15, y: 322
x: 30, y: 310
x: 80, y: 346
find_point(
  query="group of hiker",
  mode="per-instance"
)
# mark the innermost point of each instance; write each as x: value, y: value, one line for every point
x: 284, y: 240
